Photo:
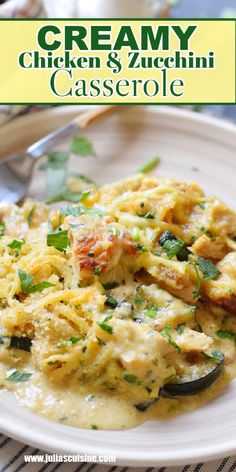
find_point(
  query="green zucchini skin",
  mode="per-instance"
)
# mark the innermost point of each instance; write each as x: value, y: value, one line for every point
x: 185, y: 388
x: 193, y: 387
x: 23, y: 343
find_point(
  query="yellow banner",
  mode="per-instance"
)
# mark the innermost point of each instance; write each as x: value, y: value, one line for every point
x: 117, y: 61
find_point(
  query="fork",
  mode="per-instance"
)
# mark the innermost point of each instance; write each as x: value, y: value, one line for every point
x: 16, y: 171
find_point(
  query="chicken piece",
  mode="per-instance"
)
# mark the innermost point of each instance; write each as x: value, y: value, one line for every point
x: 99, y: 244
x: 142, y: 353
x: 209, y: 248
x: 176, y: 277
x: 189, y: 341
x: 223, y: 290
x: 215, y: 218
x: 222, y: 219
x: 162, y: 309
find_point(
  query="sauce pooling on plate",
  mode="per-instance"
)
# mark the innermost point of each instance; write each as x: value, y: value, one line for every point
x: 106, y: 302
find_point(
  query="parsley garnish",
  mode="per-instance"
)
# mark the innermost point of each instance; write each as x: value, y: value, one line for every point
x: 226, y: 335
x: 174, y: 246
x: 136, y: 234
x: 111, y: 301
x: 18, y: 376
x: 197, y: 290
x: 26, y: 283
x: 130, y: 378
x: 16, y: 244
x: 215, y: 356
x: 105, y: 326
x: 74, y: 340
x: 138, y: 300
x: 110, y: 285
x: 148, y: 216
x: 150, y: 165
x: 97, y: 271
x: 166, y: 334
x: 94, y: 426
x: 59, y: 240
x: 40, y: 286
x: 208, y: 269
x: 141, y: 248
x: 57, y: 174
x: 151, y: 311
x: 82, y: 146
x: 180, y: 328
x: 55, y: 160
x: 2, y: 228
x: 30, y: 216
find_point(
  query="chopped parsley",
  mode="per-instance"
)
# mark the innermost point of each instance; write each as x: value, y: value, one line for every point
x: 141, y: 248
x: 105, y: 326
x: 130, y: 378
x: 26, y: 283
x: 57, y: 173
x: 40, y: 286
x: 61, y: 343
x: 18, y: 376
x: 151, y: 311
x: 16, y: 244
x: 148, y: 216
x: 110, y: 285
x: 215, y: 356
x: 174, y: 246
x: 100, y: 342
x: 97, y: 271
x: 197, y: 290
x: 94, y: 426
x: 55, y: 160
x: 58, y: 239
x: 138, y: 300
x: 208, y: 269
x: 74, y: 340
x: 30, y: 216
x: 82, y: 146
x: 2, y: 228
x: 223, y: 334
x: 111, y: 301
x: 136, y: 234
x: 150, y: 165
x: 202, y: 205
x: 166, y: 334
x: 180, y: 328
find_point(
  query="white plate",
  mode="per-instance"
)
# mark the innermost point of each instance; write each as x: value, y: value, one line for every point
x: 184, y: 141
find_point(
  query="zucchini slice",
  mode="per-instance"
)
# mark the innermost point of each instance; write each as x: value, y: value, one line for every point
x: 193, y: 387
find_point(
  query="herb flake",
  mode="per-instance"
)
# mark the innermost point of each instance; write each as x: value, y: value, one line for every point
x: 18, y: 376
x: 208, y: 269
x: 58, y: 239
x: 166, y: 334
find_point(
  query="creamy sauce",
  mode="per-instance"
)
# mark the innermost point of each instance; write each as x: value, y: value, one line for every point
x: 78, y: 407
x: 117, y: 298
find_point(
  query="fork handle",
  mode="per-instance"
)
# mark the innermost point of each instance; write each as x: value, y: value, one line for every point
x: 89, y: 117
x: 81, y: 122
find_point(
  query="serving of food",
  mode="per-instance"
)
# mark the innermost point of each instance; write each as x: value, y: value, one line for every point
x: 124, y: 302
x: 117, y: 318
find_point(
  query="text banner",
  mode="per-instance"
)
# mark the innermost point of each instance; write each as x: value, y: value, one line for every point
x: 117, y: 61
